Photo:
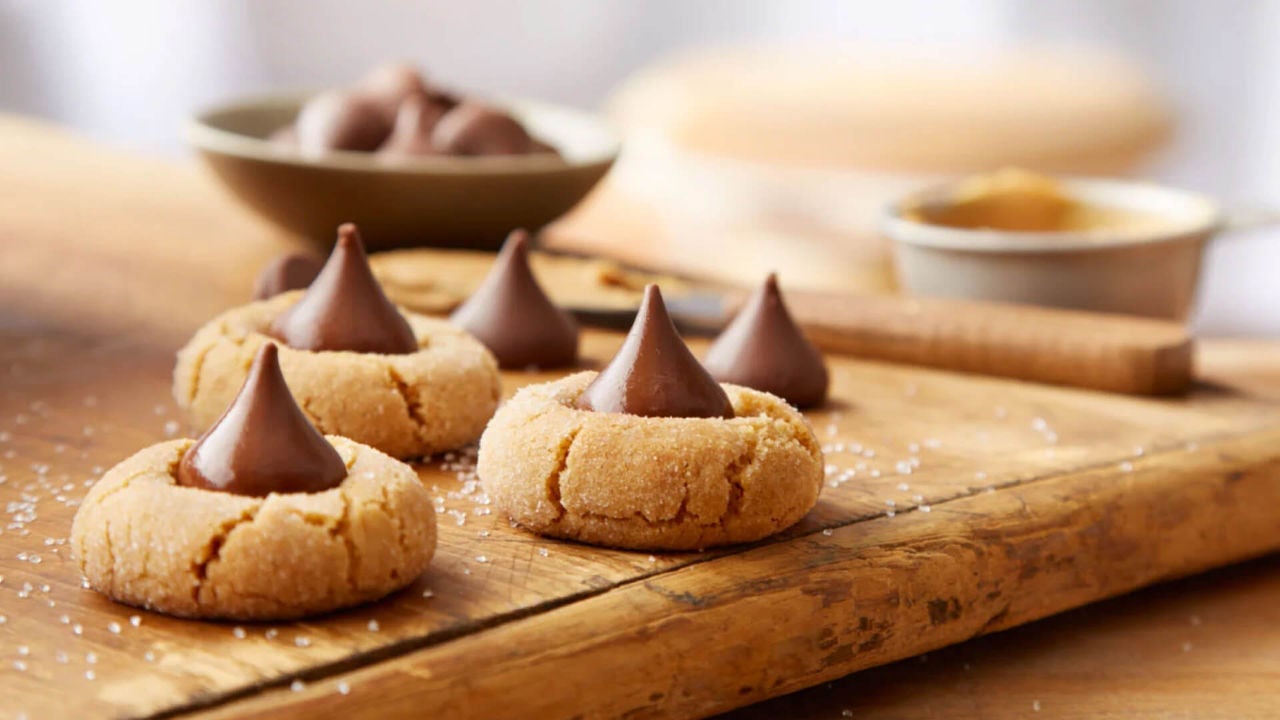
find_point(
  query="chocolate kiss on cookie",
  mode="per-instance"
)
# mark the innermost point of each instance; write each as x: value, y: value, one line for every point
x: 293, y: 271
x: 764, y: 349
x: 654, y: 374
x: 475, y: 129
x: 262, y: 443
x: 345, y: 308
x: 511, y: 315
x: 415, y: 120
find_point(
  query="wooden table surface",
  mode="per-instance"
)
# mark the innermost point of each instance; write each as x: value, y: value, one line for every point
x: 1204, y: 647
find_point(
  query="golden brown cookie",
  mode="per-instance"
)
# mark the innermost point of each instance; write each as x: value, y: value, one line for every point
x: 404, y: 405
x: 649, y: 482
x: 144, y: 540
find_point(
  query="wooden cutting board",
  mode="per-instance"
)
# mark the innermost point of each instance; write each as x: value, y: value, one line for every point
x: 956, y: 506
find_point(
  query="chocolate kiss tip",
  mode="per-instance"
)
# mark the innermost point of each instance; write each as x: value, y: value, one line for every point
x: 263, y: 443
x: 514, y: 318
x: 345, y: 308
x: 654, y: 374
x: 764, y: 349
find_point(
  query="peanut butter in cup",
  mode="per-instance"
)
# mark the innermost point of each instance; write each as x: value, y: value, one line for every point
x: 345, y: 308
x: 263, y: 443
x: 514, y: 318
x: 653, y: 374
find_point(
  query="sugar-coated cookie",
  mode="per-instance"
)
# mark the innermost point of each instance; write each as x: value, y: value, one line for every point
x: 630, y: 481
x: 144, y: 540
x: 406, y: 405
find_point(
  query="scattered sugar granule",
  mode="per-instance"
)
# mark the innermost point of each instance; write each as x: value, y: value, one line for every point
x: 149, y: 656
x: 846, y: 713
x: 271, y: 633
x: 653, y: 559
x: 113, y: 627
x: 1126, y: 466
x: 23, y: 650
x: 482, y: 559
x: 78, y: 629
x: 980, y: 475
x: 302, y: 641
x: 925, y: 508
x: 135, y: 620
x: 239, y: 632
x: 89, y: 675
x: 543, y: 552
x: 297, y: 686
x: 20, y: 665
x: 890, y: 513
x: 903, y: 467
x: 373, y: 626
x: 827, y: 531
x: 1035, y: 705
x: 343, y: 687
x: 1139, y: 451
x: 91, y: 658
x: 61, y: 657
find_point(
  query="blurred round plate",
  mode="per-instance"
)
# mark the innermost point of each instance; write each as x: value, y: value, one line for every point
x: 469, y: 202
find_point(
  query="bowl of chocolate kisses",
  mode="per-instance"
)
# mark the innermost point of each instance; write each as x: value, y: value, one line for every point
x: 410, y: 162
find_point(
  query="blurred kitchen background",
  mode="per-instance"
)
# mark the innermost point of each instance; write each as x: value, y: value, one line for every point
x: 756, y: 120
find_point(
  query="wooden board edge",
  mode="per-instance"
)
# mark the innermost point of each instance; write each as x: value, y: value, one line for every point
x: 742, y: 628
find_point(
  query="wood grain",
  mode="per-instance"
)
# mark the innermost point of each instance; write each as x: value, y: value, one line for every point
x: 1046, y: 497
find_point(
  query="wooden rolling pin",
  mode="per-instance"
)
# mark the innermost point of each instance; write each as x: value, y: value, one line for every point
x: 1115, y: 353
x: 1101, y: 352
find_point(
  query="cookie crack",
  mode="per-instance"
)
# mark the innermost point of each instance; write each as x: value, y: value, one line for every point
x: 552, y: 482
x: 213, y: 551
x: 412, y: 406
x: 341, y: 530
x: 733, y: 476
x: 109, y: 546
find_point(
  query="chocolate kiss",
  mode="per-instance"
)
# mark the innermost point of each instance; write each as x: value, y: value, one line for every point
x: 654, y: 374
x: 293, y: 271
x: 340, y: 120
x: 475, y: 129
x: 262, y: 443
x: 415, y: 120
x: 763, y: 348
x: 345, y: 309
x: 391, y: 84
x: 511, y: 315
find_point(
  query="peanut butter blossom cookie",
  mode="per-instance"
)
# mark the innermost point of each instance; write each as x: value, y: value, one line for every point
x: 650, y: 453
x: 763, y: 348
x: 261, y: 518
x: 357, y: 365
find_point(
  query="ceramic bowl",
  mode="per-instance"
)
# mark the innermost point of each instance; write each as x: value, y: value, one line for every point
x: 1137, y: 271
x: 470, y: 202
